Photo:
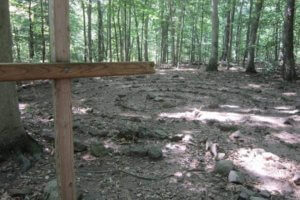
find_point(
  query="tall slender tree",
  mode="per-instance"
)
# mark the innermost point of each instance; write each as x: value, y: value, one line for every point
x: 253, y: 36
x: 288, y: 67
x: 213, y: 61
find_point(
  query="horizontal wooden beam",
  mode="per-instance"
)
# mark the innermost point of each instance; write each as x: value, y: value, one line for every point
x: 19, y: 72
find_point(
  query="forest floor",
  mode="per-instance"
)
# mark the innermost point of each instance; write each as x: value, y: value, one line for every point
x: 252, y: 120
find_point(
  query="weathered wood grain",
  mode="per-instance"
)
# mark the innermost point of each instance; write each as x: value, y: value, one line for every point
x: 18, y: 72
x: 60, y: 52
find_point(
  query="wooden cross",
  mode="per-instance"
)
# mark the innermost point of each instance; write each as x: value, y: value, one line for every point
x: 61, y: 71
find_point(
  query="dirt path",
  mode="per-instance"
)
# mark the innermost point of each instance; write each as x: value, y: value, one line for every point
x: 177, y: 111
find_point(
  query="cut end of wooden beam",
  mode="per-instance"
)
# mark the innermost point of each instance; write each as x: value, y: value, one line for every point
x: 19, y: 72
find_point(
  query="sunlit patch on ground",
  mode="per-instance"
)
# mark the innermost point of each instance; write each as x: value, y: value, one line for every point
x: 23, y: 107
x: 267, y: 170
x: 289, y: 94
x: 287, y: 137
x: 204, y: 116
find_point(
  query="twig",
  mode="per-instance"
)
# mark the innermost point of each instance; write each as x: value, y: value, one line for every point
x: 141, y: 177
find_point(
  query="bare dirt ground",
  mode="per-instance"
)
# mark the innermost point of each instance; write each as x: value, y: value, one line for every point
x: 252, y: 120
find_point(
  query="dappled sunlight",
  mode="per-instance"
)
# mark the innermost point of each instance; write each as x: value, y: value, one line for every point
x: 199, y: 115
x: 286, y: 109
x: 289, y: 94
x: 268, y: 170
x: 134, y: 115
x: 288, y: 138
x: 230, y: 106
x: 23, y: 107
x: 251, y: 85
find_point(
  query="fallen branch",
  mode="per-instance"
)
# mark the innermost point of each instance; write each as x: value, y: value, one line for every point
x: 139, y: 176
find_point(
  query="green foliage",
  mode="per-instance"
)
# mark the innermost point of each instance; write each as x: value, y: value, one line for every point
x: 196, y: 28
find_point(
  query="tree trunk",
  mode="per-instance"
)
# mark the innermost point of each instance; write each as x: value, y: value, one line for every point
x: 253, y: 36
x: 116, y: 38
x: 137, y: 36
x: 213, y: 61
x: 43, y: 31
x: 227, y: 46
x: 12, y: 133
x: 146, y: 56
x: 90, y: 45
x: 288, y: 67
x: 109, y: 31
x: 120, y: 35
x: 16, y: 43
x: 276, y: 32
x: 84, y: 31
x: 201, y: 31
x: 238, y: 34
x: 100, y: 32
x: 248, y: 33
x: 31, y: 38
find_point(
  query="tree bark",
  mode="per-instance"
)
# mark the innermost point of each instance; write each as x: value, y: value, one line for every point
x: 288, y: 67
x: 89, y: 14
x: 146, y: 56
x: 31, y: 38
x: 84, y: 31
x: 238, y: 34
x: 248, y: 33
x: 137, y: 35
x: 213, y: 61
x: 109, y: 31
x: 43, y: 31
x: 12, y: 133
x: 253, y: 36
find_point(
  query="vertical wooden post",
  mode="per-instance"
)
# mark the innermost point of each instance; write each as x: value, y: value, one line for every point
x: 60, y: 52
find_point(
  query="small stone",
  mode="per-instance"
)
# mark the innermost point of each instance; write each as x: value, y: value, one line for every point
x: 243, y: 196
x: 289, y: 121
x: 177, y: 138
x: 257, y: 198
x: 161, y: 134
x: 236, y: 177
x: 296, y: 178
x: 139, y: 150
x: 224, y: 167
x: 235, y: 135
x: 265, y: 194
x: 98, y: 149
x: 79, y: 146
x: 221, y: 156
x: 155, y: 153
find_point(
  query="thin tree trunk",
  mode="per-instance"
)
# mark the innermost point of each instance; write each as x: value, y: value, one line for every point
x: 201, y: 31
x: 248, y: 33
x: 137, y: 35
x: 84, y: 31
x: 116, y: 38
x: 16, y: 42
x: 253, y: 36
x: 31, y: 38
x: 276, y: 32
x: 213, y: 61
x: 109, y: 31
x: 90, y: 45
x: 43, y: 32
x: 100, y: 32
x: 288, y: 67
x: 146, y: 56
x: 120, y: 36
x: 238, y: 34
